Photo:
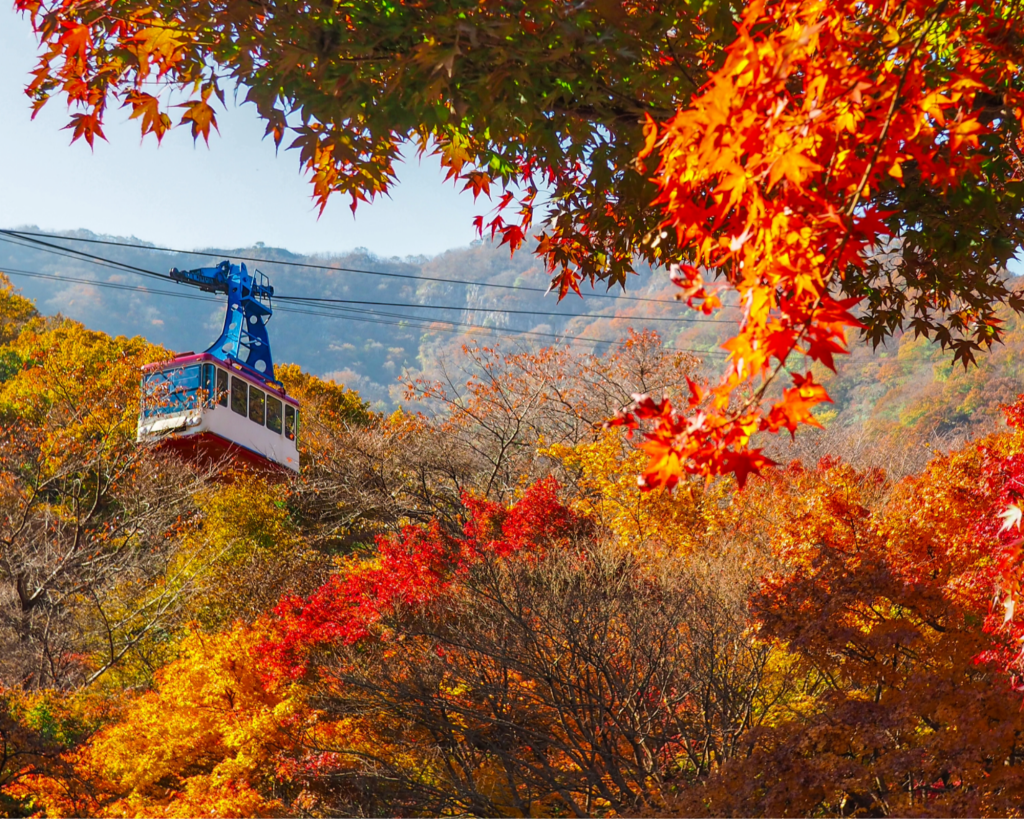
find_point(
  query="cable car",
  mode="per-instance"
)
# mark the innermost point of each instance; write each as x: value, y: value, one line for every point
x: 224, y: 402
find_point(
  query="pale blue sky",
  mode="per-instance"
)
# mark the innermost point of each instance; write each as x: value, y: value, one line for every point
x: 233, y: 193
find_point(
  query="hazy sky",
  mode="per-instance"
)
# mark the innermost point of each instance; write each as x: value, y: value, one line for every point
x: 233, y: 193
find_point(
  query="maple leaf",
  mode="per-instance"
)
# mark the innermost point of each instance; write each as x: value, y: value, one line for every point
x: 1011, y: 518
x: 202, y: 117
x: 963, y: 351
x: 479, y: 182
x: 820, y: 347
x: 276, y: 125
x: 87, y: 126
x: 744, y: 463
x: 794, y: 166
x: 146, y: 106
x: 796, y: 405
x: 162, y: 45
x: 665, y: 467
x: 513, y: 236
x: 75, y: 41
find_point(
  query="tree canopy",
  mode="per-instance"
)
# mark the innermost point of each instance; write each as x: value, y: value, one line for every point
x: 477, y: 611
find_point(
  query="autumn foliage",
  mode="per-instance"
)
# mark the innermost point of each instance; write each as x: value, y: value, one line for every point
x: 785, y: 177
x: 470, y: 606
x: 901, y: 704
x: 413, y: 569
x: 438, y: 637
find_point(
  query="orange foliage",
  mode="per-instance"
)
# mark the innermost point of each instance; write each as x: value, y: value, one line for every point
x: 880, y: 596
x: 203, y: 743
x: 768, y: 180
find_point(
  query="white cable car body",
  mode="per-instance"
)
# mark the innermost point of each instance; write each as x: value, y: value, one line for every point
x: 225, y: 402
x: 199, y: 404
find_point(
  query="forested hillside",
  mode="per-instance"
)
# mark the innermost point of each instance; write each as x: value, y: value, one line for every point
x: 478, y: 611
x: 746, y: 540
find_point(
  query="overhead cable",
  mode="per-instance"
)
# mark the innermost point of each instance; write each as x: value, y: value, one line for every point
x: 332, y: 268
x: 375, y: 317
x: 6, y: 235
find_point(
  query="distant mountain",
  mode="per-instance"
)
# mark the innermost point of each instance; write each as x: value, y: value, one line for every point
x: 907, y: 392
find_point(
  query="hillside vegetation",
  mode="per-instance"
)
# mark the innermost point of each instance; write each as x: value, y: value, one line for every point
x: 365, y: 345
x: 478, y: 611
x: 582, y: 571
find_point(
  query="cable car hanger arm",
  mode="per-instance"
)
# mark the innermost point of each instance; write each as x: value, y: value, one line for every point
x: 244, y: 339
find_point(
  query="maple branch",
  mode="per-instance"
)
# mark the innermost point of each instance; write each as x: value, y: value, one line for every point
x: 870, y: 167
x: 759, y: 393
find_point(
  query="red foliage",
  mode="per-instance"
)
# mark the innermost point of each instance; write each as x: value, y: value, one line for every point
x: 1004, y: 478
x: 412, y: 569
x: 1014, y: 413
x: 877, y: 599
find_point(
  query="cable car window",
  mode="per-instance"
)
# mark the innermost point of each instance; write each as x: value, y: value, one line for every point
x: 171, y: 391
x: 208, y: 387
x: 290, y: 422
x: 274, y: 414
x: 239, y: 396
x: 257, y: 405
x: 222, y: 387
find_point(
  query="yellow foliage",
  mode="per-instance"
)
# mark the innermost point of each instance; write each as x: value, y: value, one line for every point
x: 15, y: 311
x: 233, y: 563
x: 334, y: 403
x: 75, y: 387
x: 328, y: 410
x: 244, y: 555
x: 643, y: 522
